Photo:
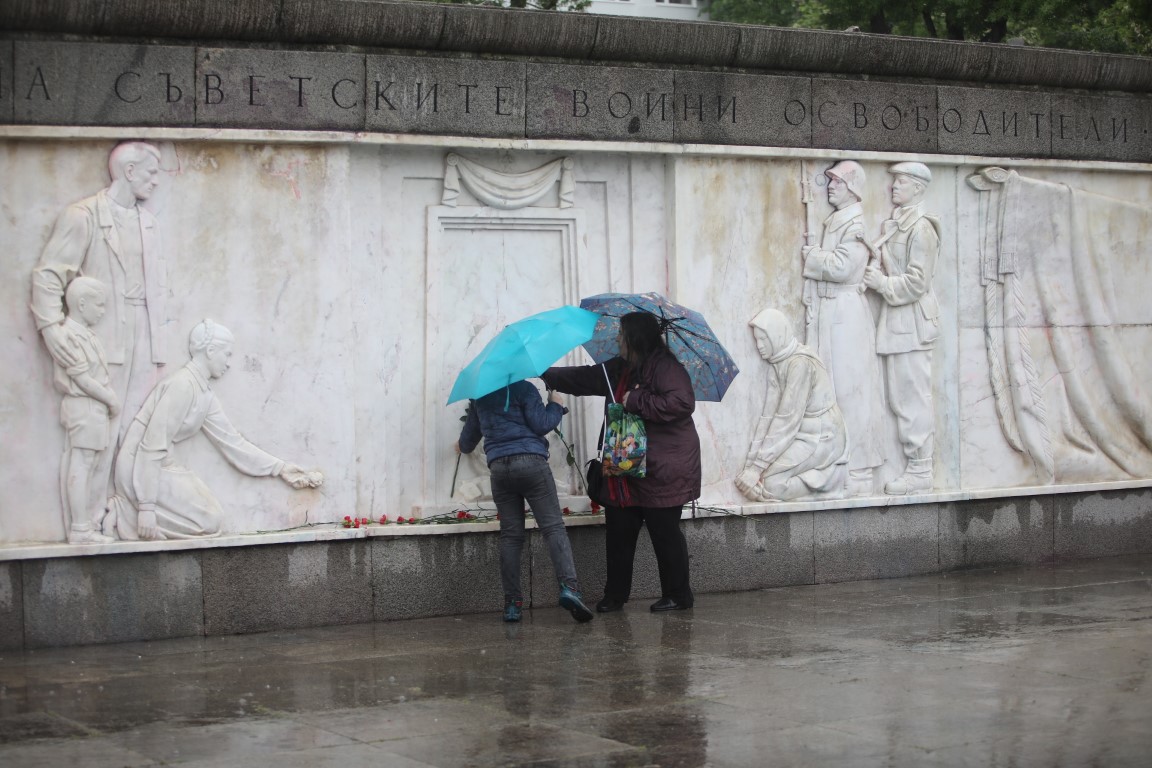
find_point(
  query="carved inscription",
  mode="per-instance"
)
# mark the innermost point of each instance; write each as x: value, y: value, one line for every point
x: 445, y: 96
x: 169, y: 85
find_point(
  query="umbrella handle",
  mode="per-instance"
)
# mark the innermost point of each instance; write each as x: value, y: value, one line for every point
x: 454, y: 473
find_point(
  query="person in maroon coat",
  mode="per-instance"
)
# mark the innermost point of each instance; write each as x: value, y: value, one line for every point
x: 650, y: 382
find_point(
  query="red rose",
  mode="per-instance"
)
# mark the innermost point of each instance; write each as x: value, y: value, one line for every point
x: 383, y: 519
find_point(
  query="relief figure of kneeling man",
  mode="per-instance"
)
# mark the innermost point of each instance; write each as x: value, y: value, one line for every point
x: 156, y: 498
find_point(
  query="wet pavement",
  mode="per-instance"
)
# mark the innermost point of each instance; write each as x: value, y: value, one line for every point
x: 1043, y: 666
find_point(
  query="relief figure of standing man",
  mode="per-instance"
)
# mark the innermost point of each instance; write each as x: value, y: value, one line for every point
x: 840, y: 328
x: 909, y: 320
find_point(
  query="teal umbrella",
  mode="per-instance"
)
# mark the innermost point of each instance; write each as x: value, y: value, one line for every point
x: 524, y: 349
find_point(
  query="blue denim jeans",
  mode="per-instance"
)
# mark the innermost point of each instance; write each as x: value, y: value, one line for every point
x: 526, y: 477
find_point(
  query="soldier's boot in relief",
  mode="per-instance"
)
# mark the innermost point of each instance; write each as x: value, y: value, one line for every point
x: 860, y: 482
x: 917, y: 477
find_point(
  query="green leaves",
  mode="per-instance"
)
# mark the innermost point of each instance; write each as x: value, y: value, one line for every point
x: 1107, y: 26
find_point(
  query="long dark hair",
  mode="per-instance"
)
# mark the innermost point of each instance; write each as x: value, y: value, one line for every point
x: 643, y: 336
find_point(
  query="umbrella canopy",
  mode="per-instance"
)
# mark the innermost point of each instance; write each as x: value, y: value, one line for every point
x: 524, y: 349
x: 686, y: 332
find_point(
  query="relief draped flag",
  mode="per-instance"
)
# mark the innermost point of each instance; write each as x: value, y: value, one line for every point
x: 1068, y: 359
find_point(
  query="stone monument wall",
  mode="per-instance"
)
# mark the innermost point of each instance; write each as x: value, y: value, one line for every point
x: 358, y: 196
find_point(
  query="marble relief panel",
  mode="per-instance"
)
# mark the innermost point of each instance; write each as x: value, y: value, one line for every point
x: 977, y: 328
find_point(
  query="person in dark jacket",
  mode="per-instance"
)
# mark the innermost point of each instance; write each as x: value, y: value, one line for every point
x: 649, y: 381
x: 513, y: 422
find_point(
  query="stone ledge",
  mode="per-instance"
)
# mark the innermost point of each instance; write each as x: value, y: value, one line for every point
x: 441, y: 27
x: 336, y: 532
x: 284, y: 136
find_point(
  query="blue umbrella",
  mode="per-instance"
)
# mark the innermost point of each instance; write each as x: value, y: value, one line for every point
x: 524, y: 349
x: 686, y: 331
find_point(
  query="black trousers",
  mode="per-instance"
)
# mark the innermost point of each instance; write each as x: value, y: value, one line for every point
x: 622, y: 529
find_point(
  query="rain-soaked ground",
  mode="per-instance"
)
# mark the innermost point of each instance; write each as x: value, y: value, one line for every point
x: 1044, y: 666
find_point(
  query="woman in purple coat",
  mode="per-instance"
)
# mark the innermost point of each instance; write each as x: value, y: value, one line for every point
x: 650, y: 382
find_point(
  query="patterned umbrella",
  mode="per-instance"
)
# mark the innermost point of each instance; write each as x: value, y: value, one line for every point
x: 686, y: 331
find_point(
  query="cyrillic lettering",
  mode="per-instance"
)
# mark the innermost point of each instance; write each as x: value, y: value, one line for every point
x: 1004, y: 124
x: 820, y: 114
x: 1121, y: 131
x: 698, y: 109
x: 951, y: 121
x: 1037, y: 115
x: 891, y: 117
x: 253, y: 89
x: 663, y: 104
x: 613, y: 100
x: 722, y: 109
x: 212, y: 85
x: 579, y: 99
x: 922, y: 123
x: 336, y: 101
x: 116, y: 88
x: 433, y: 93
x: 1092, y: 129
x: 169, y: 88
x: 500, y: 99
x: 299, y: 88
x: 382, y: 95
x: 38, y: 80
x: 981, y: 128
x: 467, y: 96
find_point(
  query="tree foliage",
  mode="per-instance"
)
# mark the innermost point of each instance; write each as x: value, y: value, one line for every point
x: 539, y: 5
x: 1112, y: 26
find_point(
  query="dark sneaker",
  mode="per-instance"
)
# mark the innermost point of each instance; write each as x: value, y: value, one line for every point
x: 513, y: 610
x: 572, y: 601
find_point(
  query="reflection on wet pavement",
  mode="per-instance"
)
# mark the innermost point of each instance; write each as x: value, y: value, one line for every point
x: 1010, y: 667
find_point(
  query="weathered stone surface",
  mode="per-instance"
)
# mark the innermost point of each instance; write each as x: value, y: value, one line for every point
x: 505, y: 31
x: 253, y: 589
x: 445, y: 96
x: 11, y: 607
x: 996, y: 532
x: 195, y: 19
x: 623, y: 38
x: 609, y: 103
x: 736, y: 553
x: 77, y: 600
x: 98, y: 84
x: 523, y: 33
x: 984, y: 121
x: 1100, y: 524
x: 438, y: 575
x: 713, y: 108
x: 1102, y: 128
x: 888, y: 117
x: 280, y: 89
x: 875, y: 543
x: 52, y: 15
x: 379, y: 24
x: 6, y: 66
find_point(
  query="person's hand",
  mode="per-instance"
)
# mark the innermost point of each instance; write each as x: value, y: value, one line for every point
x: 748, y: 480
x: 555, y: 397
x: 146, y: 525
x: 299, y: 478
x: 61, y: 345
x: 806, y: 249
x: 113, y: 408
x: 873, y: 277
